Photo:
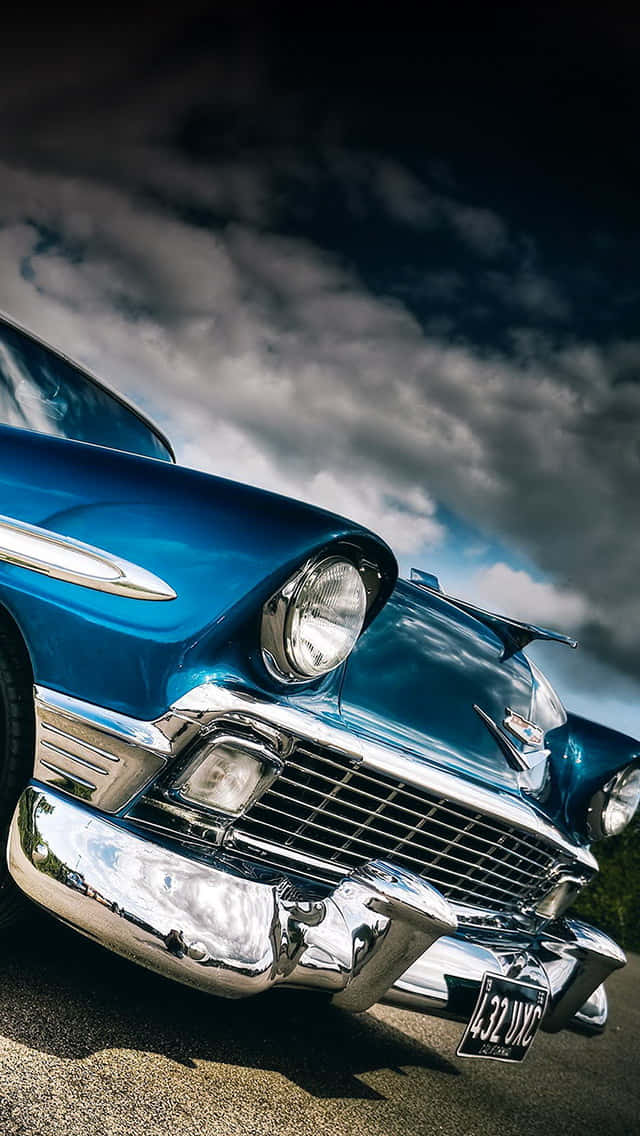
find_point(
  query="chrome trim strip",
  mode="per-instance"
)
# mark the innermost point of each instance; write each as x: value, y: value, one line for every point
x: 240, y: 842
x: 132, y: 730
x: 205, y: 703
x: 70, y: 738
x: 64, y: 558
x: 67, y: 776
x: 79, y: 760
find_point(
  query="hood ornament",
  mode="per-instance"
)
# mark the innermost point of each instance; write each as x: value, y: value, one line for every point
x: 513, y: 633
x: 530, y: 762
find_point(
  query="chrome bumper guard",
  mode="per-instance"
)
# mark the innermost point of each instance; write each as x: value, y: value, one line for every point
x: 382, y: 934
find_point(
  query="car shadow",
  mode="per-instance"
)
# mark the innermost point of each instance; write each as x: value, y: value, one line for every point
x: 63, y: 995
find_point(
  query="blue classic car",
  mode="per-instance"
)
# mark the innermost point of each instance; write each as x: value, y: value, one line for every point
x: 239, y: 751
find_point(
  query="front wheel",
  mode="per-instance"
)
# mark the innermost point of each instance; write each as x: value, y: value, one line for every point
x: 17, y: 741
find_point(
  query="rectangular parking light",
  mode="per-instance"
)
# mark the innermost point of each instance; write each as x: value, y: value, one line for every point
x: 227, y: 775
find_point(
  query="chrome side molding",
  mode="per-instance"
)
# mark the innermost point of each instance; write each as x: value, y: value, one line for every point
x: 64, y: 558
x: 101, y: 757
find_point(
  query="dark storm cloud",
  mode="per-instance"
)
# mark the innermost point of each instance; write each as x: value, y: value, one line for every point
x: 337, y: 288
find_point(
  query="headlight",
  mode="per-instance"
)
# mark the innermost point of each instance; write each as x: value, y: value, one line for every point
x: 310, y: 627
x: 614, y: 806
x: 325, y: 618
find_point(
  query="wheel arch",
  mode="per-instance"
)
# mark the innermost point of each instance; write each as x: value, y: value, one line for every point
x: 11, y: 626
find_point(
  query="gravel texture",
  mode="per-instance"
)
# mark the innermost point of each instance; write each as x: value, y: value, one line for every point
x: 90, y: 1044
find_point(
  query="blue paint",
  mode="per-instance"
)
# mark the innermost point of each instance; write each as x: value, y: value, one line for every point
x: 225, y: 548
x: 591, y: 756
x: 416, y: 674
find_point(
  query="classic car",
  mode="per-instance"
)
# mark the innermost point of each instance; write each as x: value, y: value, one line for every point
x: 238, y: 750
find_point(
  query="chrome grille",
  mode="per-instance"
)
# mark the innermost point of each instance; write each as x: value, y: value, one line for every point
x: 323, y: 817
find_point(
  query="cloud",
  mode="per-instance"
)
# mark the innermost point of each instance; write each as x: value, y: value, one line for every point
x: 403, y: 195
x: 269, y: 358
x: 335, y: 393
x: 481, y: 229
x: 410, y: 201
x: 528, y: 291
x: 514, y: 592
x: 408, y: 522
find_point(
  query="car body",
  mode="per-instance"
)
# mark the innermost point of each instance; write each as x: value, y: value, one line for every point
x: 413, y: 819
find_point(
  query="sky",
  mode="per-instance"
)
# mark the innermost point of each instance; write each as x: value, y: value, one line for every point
x: 385, y: 264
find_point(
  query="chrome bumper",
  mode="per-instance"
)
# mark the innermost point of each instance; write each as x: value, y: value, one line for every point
x: 382, y: 934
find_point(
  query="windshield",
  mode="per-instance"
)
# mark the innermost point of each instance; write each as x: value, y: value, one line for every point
x: 39, y: 390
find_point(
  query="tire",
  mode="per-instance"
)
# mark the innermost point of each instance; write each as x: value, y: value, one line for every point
x: 17, y: 743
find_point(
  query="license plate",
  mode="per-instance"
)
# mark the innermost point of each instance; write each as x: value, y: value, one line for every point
x: 505, y: 1019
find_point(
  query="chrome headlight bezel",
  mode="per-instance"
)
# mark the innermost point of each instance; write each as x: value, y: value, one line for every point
x: 601, y: 808
x: 277, y: 647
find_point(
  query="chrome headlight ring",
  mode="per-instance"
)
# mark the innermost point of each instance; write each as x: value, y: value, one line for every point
x: 311, y: 624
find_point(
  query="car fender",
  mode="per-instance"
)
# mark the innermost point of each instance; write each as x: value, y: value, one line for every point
x: 222, y: 547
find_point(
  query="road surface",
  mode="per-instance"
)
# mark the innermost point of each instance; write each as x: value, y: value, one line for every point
x: 90, y: 1044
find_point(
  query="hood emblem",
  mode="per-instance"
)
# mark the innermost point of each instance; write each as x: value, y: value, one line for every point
x: 530, y: 762
x: 526, y: 732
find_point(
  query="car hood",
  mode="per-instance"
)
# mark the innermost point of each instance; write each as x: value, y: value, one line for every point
x: 416, y: 674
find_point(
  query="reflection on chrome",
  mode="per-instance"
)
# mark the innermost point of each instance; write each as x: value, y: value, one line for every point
x: 99, y: 756
x: 212, y: 927
x: 383, y: 933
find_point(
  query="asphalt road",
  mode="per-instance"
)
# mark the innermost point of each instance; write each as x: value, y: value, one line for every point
x: 90, y: 1044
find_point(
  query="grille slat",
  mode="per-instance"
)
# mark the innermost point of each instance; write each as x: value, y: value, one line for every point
x: 342, y: 816
x: 418, y: 821
x: 397, y: 844
x: 445, y: 808
x: 379, y: 848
